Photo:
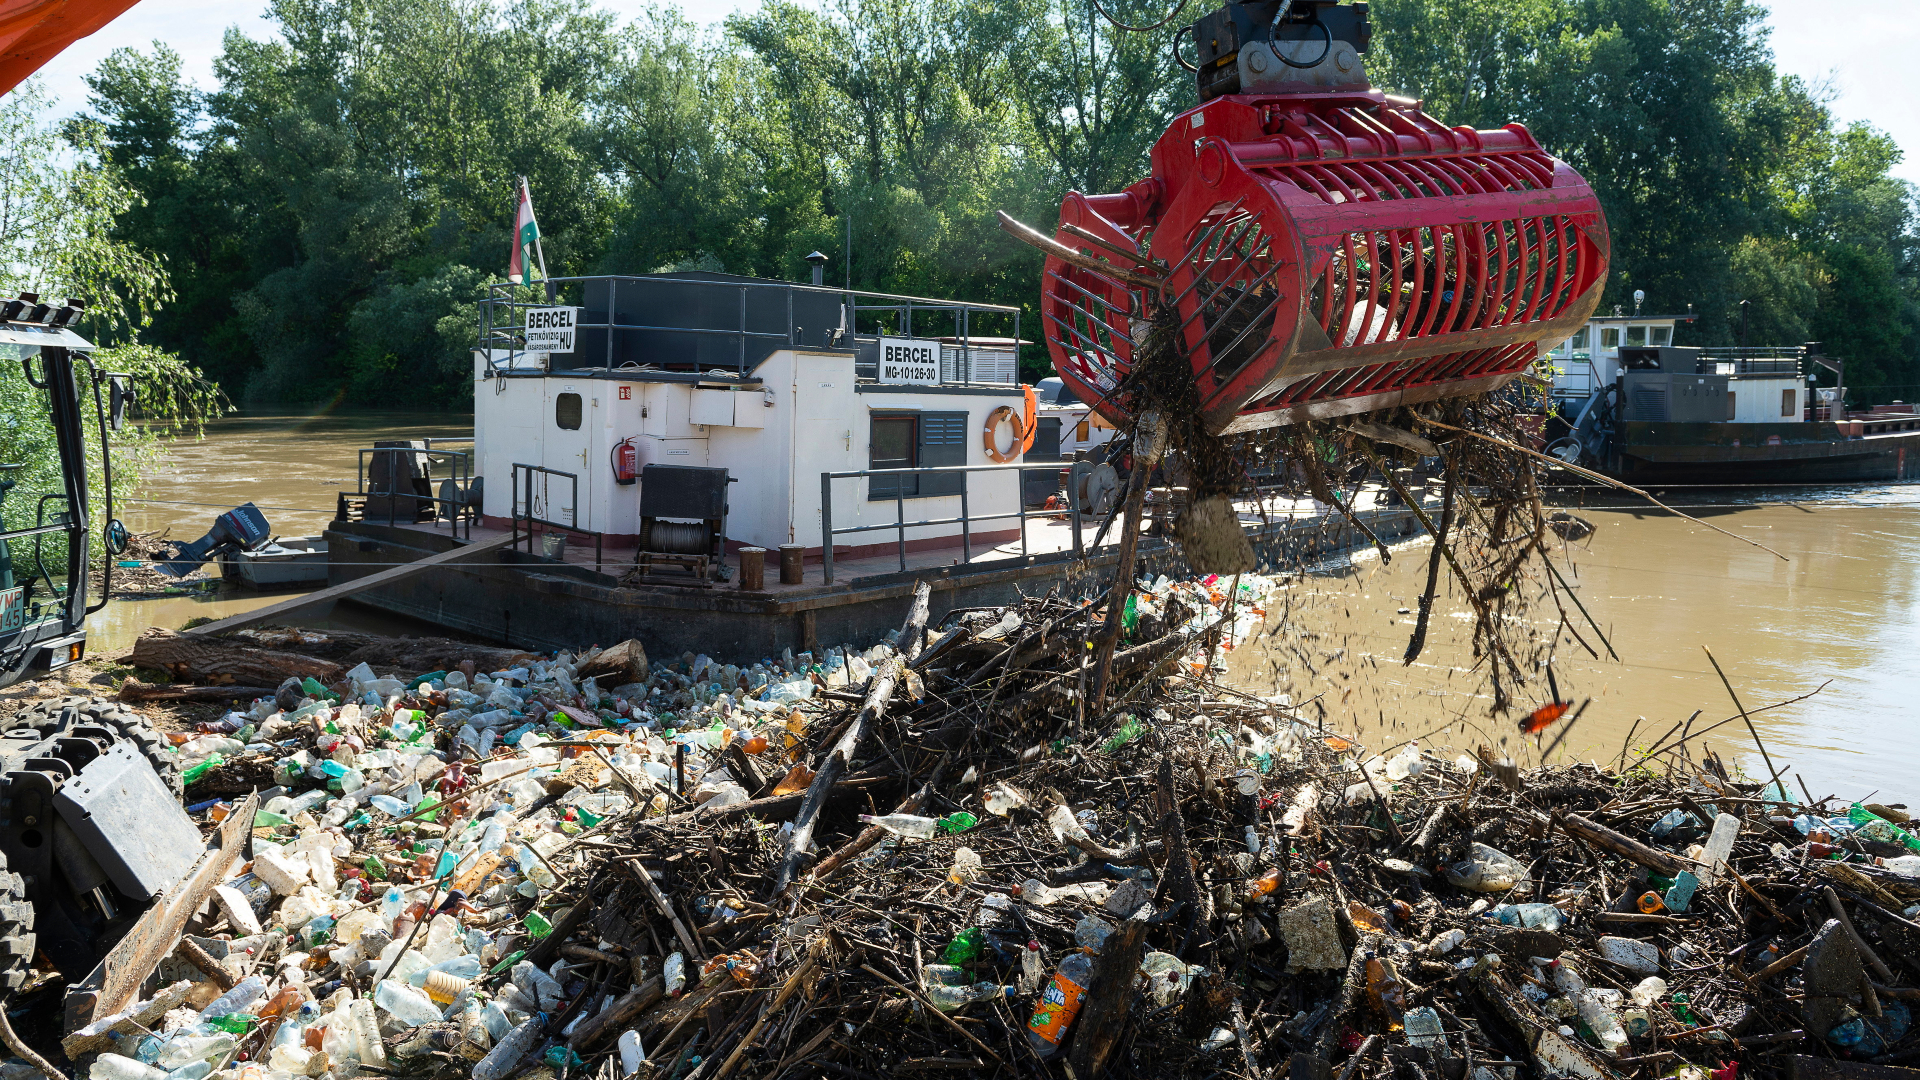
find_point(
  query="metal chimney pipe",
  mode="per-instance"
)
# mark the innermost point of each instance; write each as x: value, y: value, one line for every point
x: 819, y: 262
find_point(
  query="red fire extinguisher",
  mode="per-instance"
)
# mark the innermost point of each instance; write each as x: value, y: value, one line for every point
x: 626, y: 461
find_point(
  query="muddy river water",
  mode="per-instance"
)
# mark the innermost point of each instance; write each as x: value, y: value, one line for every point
x: 1841, y: 613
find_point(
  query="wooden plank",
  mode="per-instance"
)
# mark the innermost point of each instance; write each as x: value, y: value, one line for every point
x: 348, y: 588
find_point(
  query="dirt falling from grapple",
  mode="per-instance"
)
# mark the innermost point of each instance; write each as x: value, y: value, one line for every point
x: 1482, y: 503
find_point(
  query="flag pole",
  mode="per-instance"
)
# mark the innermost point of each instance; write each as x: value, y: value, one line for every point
x: 539, y: 247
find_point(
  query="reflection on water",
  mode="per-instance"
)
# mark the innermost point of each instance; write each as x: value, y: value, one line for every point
x: 1840, y: 611
x: 290, y: 466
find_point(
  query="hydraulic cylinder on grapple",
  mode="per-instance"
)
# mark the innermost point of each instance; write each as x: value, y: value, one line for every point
x: 1326, y: 249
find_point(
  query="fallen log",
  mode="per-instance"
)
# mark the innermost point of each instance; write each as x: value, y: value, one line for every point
x: 624, y: 663
x: 216, y: 661
x: 133, y: 690
x: 1624, y: 846
x: 412, y: 655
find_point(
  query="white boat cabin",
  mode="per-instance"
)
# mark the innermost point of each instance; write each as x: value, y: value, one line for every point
x: 1762, y: 385
x: 774, y: 382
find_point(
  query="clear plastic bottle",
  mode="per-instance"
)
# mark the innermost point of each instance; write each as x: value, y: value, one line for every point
x: 537, y: 984
x: 912, y: 826
x: 1726, y: 829
x: 184, y: 1049
x: 1907, y: 866
x: 407, y: 1005
x: 1059, y: 1004
x: 954, y: 998
x: 243, y: 994
x: 1602, y: 1020
x: 475, y: 1039
x: 366, y: 1033
x: 115, y: 1067
x: 507, y: 1053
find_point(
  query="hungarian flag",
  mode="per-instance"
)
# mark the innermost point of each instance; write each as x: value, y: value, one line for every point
x: 526, y: 234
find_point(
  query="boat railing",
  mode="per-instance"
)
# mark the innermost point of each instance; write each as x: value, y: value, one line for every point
x: 966, y: 519
x: 717, y: 323
x: 532, y: 502
x: 392, y: 475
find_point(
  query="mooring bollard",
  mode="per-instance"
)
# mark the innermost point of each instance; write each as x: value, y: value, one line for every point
x: 753, y: 569
x: 790, y: 563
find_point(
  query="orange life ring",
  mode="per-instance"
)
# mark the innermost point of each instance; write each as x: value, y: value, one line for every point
x: 1003, y: 414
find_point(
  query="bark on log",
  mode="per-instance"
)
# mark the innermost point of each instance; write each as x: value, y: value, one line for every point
x: 409, y: 655
x: 1103, y: 1017
x: 616, y: 1017
x: 1624, y: 846
x: 133, y: 690
x: 624, y: 663
x: 216, y: 661
x: 840, y: 758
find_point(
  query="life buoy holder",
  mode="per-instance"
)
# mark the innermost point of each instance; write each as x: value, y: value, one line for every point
x: 1002, y: 415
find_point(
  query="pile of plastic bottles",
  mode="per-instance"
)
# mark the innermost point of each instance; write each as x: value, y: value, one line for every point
x: 415, y: 831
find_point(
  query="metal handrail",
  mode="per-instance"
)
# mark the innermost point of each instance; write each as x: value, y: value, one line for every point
x: 499, y: 296
x: 463, y: 477
x: 966, y: 519
x: 531, y: 518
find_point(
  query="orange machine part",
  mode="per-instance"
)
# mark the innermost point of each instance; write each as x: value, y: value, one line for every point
x: 33, y: 32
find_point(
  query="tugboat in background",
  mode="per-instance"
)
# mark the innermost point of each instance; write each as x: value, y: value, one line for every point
x: 1628, y: 402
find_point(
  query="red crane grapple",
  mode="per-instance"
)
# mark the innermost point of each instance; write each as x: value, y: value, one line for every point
x: 1327, y: 249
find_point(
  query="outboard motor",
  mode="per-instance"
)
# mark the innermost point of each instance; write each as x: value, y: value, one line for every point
x: 242, y: 528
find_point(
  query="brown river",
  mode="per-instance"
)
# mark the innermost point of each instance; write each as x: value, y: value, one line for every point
x: 1840, y: 614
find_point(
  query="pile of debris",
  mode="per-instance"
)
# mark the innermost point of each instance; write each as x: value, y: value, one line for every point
x: 938, y: 854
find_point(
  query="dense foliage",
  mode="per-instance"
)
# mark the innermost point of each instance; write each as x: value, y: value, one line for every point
x: 58, y: 206
x: 327, y: 211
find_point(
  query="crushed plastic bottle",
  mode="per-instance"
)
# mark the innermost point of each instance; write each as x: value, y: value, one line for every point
x: 1536, y: 916
x: 966, y: 868
x: 1486, y: 869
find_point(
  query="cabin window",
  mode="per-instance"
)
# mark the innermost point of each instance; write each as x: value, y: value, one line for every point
x: 1580, y: 339
x: 1636, y: 335
x: 1733, y: 405
x: 1660, y: 335
x: 916, y: 440
x: 1788, y: 402
x: 566, y: 411
x: 1610, y: 337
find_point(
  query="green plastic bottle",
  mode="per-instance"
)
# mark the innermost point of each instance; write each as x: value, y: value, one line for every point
x: 194, y: 774
x: 964, y: 947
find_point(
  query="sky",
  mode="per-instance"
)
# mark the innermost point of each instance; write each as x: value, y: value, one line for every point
x: 1863, y: 50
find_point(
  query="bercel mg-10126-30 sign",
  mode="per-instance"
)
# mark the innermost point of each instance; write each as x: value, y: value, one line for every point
x: 910, y: 361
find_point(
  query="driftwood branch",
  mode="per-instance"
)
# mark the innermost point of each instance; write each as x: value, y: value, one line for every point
x: 840, y: 758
